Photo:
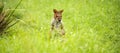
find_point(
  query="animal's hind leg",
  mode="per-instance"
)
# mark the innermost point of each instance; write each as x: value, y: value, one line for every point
x: 62, y: 30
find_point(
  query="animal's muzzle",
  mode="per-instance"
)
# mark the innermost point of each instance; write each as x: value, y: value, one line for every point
x: 59, y: 20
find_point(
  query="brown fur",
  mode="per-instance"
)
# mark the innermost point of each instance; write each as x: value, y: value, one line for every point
x: 57, y: 22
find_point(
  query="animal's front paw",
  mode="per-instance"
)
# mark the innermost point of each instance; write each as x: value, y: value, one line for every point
x: 63, y: 32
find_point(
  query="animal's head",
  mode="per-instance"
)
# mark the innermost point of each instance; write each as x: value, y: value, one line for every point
x: 57, y: 14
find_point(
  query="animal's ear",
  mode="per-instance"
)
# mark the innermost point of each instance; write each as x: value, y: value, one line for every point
x: 54, y: 10
x: 61, y: 11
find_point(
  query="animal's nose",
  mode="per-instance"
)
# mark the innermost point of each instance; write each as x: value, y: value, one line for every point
x: 59, y: 20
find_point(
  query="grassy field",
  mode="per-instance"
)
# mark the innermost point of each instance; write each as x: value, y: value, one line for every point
x: 92, y: 26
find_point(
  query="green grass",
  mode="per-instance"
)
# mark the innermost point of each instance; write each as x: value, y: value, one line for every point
x: 92, y: 26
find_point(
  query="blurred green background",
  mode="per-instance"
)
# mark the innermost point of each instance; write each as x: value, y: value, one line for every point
x: 92, y: 26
